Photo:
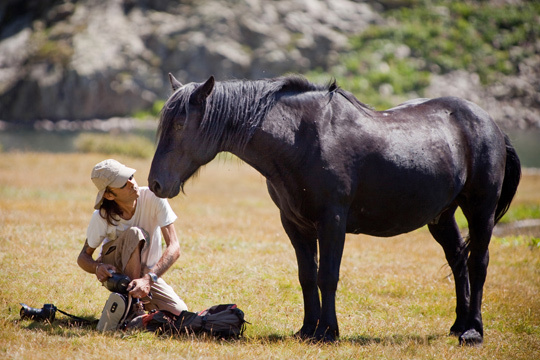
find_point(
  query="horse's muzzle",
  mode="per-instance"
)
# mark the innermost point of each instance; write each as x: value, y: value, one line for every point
x: 162, y: 192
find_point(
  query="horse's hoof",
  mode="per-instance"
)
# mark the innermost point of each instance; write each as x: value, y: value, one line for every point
x: 328, y: 339
x: 305, y: 334
x: 471, y: 338
x: 457, y: 330
x: 326, y: 336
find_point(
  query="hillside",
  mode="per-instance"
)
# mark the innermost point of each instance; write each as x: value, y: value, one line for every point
x: 84, y: 59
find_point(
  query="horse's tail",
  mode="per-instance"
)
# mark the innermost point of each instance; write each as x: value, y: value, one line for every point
x: 512, y: 175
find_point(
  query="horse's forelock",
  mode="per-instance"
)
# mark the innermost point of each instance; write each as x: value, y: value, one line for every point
x: 173, y: 107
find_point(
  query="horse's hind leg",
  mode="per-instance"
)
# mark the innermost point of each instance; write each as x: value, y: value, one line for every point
x: 481, y: 223
x: 446, y: 232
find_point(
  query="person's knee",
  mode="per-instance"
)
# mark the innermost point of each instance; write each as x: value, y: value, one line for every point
x: 177, y: 307
x: 134, y: 234
x: 181, y: 306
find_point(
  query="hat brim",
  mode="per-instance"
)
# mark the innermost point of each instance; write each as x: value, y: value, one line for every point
x: 99, y: 199
x: 121, y: 179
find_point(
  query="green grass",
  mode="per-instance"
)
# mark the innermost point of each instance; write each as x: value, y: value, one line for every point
x: 395, y: 298
x: 515, y: 213
x: 152, y: 112
x: 521, y: 212
x: 130, y: 144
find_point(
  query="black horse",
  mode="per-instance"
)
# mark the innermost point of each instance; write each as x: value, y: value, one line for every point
x: 335, y: 166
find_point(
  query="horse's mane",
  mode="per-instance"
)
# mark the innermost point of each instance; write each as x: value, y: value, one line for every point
x: 353, y: 100
x: 235, y: 108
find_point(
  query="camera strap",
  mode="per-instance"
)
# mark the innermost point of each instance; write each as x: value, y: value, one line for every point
x: 47, y: 313
x: 79, y: 319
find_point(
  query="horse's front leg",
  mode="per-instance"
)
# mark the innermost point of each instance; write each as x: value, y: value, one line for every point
x: 331, y: 233
x: 305, y: 246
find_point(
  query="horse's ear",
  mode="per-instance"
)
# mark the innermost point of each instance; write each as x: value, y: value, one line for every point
x: 203, y: 91
x: 174, y: 83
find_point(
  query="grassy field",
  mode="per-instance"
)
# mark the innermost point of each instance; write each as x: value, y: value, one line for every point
x: 395, y: 298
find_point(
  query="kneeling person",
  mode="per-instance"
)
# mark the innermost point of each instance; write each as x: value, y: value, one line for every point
x: 129, y: 221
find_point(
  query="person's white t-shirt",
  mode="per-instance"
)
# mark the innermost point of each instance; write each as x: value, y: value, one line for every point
x: 151, y: 214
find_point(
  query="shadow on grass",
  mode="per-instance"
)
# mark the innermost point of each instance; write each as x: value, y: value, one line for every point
x: 361, y: 340
x: 393, y: 339
x: 65, y: 325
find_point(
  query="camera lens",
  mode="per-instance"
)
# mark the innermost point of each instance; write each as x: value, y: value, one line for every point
x: 118, y: 283
x: 48, y: 312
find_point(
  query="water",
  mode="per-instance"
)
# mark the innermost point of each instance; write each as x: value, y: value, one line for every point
x: 527, y: 143
x: 48, y: 141
x: 40, y: 141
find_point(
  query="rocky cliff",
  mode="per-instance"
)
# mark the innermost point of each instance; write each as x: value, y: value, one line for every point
x: 87, y: 59
x: 101, y: 58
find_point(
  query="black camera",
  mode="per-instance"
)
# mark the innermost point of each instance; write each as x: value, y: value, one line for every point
x: 46, y: 313
x: 118, y: 283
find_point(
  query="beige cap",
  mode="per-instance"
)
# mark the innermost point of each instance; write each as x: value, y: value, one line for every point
x: 109, y: 173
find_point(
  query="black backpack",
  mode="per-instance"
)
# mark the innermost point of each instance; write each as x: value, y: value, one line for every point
x: 223, y: 321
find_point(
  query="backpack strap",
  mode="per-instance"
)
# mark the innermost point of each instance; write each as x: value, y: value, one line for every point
x: 204, y: 320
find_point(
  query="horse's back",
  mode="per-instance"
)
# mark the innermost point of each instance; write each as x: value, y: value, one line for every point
x: 393, y: 170
x: 471, y: 126
x: 481, y: 137
x: 427, y: 153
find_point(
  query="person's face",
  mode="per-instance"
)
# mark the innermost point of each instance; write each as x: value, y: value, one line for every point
x: 128, y: 192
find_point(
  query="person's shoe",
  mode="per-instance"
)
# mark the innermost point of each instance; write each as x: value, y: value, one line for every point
x: 137, y: 322
x: 112, y: 313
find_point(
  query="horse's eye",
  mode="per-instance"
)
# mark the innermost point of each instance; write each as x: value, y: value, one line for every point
x: 178, y: 127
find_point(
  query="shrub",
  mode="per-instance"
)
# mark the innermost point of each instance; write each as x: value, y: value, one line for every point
x: 438, y: 37
x: 153, y: 112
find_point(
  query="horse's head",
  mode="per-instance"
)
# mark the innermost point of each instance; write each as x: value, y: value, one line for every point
x: 181, y: 148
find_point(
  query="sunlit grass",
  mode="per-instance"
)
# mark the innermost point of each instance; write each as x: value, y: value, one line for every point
x: 395, y: 298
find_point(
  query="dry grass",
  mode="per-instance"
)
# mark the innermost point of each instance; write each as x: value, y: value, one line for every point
x: 395, y: 298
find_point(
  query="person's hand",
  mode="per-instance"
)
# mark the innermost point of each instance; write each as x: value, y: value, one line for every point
x: 104, y: 271
x: 139, y: 288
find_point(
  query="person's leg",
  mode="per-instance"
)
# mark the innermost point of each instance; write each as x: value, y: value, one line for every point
x: 164, y: 298
x: 133, y: 266
x: 125, y: 252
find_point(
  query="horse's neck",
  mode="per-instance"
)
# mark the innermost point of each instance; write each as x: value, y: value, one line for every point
x: 269, y: 152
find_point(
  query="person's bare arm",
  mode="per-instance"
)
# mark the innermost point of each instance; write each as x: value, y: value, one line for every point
x: 141, y: 287
x: 171, y: 253
x: 88, y: 264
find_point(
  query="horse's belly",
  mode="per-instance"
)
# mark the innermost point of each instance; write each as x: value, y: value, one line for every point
x: 389, y: 214
x: 400, y: 193
x: 385, y: 228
